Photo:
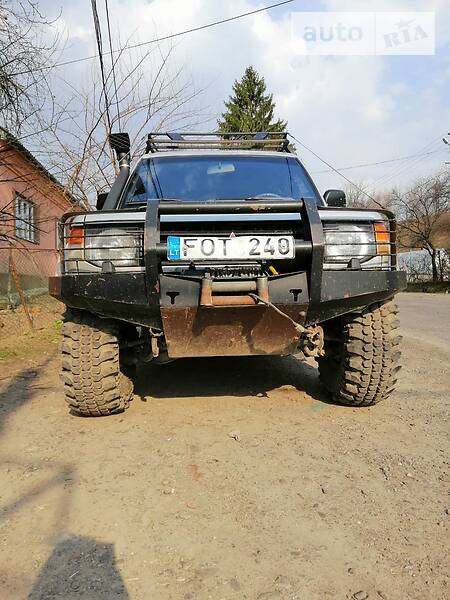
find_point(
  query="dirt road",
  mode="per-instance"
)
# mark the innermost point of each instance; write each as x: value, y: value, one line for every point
x: 231, y: 479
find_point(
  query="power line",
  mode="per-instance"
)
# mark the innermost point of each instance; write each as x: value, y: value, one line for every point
x: 399, y: 169
x: 359, y: 188
x: 380, y: 162
x: 98, y: 36
x: 156, y: 40
x: 403, y: 168
x: 113, y: 70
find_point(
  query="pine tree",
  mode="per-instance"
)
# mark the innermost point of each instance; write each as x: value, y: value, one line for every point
x: 250, y: 108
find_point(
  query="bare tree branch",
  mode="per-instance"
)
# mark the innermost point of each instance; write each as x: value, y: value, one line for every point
x: 421, y: 209
x: 28, y: 42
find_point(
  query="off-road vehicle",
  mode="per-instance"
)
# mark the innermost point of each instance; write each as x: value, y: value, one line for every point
x: 222, y: 246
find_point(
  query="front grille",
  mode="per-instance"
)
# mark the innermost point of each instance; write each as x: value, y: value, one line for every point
x: 216, y: 270
x: 225, y: 228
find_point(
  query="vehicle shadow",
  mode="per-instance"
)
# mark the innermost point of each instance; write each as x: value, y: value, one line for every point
x: 80, y: 567
x: 228, y: 376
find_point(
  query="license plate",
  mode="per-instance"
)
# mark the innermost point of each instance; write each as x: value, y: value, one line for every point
x: 238, y: 247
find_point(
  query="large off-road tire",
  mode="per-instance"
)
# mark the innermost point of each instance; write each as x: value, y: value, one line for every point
x: 362, y: 353
x: 94, y: 385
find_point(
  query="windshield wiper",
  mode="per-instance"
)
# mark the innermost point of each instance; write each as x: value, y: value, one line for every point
x: 257, y: 198
x: 143, y: 205
x: 138, y: 207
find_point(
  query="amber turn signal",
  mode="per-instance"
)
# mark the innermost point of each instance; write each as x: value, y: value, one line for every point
x: 76, y: 236
x: 383, y: 238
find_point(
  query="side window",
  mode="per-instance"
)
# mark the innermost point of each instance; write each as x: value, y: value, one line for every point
x: 301, y: 185
x: 24, y: 219
x: 142, y: 185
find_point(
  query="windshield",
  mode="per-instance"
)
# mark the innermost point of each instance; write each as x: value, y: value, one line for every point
x: 218, y: 178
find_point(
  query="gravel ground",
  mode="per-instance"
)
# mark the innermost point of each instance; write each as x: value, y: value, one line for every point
x: 231, y: 479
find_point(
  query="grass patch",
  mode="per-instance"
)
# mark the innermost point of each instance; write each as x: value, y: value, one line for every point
x: 32, y: 344
x: 429, y: 287
x: 57, y: 326
x: 5, y: 354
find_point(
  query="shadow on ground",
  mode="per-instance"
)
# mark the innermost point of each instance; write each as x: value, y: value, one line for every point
x: 228, y: 376
x: 47, y: 475
x: 80, y: 567
x: 50, y: 475
x: 20, y: 389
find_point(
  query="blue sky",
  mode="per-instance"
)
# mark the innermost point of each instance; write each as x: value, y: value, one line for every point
x: 349, y: 109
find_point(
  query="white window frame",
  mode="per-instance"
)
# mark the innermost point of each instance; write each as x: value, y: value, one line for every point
x: 24, y: 219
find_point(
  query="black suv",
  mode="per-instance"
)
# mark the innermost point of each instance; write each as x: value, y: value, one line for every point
x: 222, y: 246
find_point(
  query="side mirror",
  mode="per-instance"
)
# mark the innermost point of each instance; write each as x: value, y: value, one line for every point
x: 101, y: 198
x: 335, y: 198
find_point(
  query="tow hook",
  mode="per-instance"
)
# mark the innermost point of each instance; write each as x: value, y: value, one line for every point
x: 311, y: 343
x: 149, y: 345
x: 159, y: 353
x: 155, y: 334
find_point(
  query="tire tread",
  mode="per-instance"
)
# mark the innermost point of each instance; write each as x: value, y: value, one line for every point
x: 361, y: 369
x: 93, y: 382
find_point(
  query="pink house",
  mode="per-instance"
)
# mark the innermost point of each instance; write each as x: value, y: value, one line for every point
x: 31, y: 202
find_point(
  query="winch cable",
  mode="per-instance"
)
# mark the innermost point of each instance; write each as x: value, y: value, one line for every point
x: 299, y: 328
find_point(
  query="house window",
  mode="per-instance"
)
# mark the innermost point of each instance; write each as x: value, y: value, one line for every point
x: 25, y: 217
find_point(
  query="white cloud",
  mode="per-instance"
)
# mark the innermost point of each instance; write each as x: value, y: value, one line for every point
x: 72, y: 31
x: 350, y: 110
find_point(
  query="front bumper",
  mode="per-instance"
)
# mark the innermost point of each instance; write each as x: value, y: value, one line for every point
x: 192, y: 330
x: 345, y: 291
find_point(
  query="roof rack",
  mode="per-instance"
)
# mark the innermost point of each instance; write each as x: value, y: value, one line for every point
x: 236, y: 140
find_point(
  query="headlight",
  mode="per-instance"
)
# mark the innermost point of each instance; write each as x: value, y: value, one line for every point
x: 344, y: 241
x: 115, y: 245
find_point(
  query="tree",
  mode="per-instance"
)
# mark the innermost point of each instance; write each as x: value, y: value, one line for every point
x: 359, y: 195
x: 66, y: 127
x: 150, y: 97
x: 250, y: 108
x: 27, y: 45
x: 421, y: 212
